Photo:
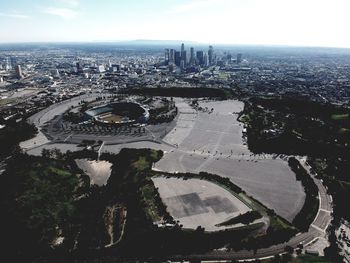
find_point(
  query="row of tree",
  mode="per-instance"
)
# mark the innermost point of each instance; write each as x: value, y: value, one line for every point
x: 309, y: 210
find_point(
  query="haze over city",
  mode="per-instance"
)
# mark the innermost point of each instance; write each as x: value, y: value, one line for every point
x: 268, y: 22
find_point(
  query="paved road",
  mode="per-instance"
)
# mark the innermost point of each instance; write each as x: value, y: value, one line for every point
x: 42, y: 117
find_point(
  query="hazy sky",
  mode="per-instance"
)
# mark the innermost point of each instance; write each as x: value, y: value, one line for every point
x: 279, y: 22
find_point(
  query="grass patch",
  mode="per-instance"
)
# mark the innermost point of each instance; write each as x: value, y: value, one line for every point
x: 299, y: 259
x: 149, y: 194
x: 144, y: 162
x: 343, y: 131
x: 7, y: 101
x: 141, y: 164
x: 340, y: 117
x: 278, y: 224
x: 246, y: 219
x: 245, y: 118
x: 223, y: 76
x: 154, y: 155
x: 60, y: 172
x: 310, y: 259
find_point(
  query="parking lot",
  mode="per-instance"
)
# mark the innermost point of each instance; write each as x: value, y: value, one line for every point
x: 195, y: 202
x: 212, y: 142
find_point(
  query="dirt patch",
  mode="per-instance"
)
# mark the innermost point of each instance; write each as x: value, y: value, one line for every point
x: 98, y: 171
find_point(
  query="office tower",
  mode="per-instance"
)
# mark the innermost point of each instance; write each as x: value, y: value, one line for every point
x: 79, y: 67
x: 19, y: 74
x: 177, y: 58
x: 115, y: 67
x: 211, y: 55
x: 172, y: 56
x: 239, y: 58
x: 183, y: 53
x: 192, y: 58
x: 200, y: 57
x: 206, y: 60
x: 7, y: 65
x: 13, y: 61
x: 184, y: 57
x: 167, y: 55
x: 182, y: 64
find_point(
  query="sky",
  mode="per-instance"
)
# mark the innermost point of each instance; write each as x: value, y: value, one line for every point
x: 261, y: 22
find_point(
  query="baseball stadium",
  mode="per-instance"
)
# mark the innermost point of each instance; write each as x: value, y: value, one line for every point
x: 118, y: 113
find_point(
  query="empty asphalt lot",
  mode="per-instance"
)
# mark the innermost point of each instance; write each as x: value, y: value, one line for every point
x: 212, y: 142
x: 195, y: 202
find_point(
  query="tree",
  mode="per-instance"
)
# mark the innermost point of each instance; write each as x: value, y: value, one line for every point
x: 289, y: 249
x: 46, y: 153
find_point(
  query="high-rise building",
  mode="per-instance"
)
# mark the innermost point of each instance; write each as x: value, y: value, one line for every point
x: 167, y: 55
x: 239, y: 58
x: 19, y: 74
x: 184, y: 57
x: 7, y: 65
x: 206, y: 60
x: 200, y: 57
x: 183, y: 53
x: 211, y: 55
x: 182, y: 64
x: 79, y: 67
x: 192, y: 58
x: 177, y: 58
x: 172, y: 56
x: 13, y: 61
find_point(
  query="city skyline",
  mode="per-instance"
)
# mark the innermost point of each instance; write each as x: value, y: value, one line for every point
x: 270, y: 22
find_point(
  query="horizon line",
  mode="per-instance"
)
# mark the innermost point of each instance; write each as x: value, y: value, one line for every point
x: 170, y: 40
